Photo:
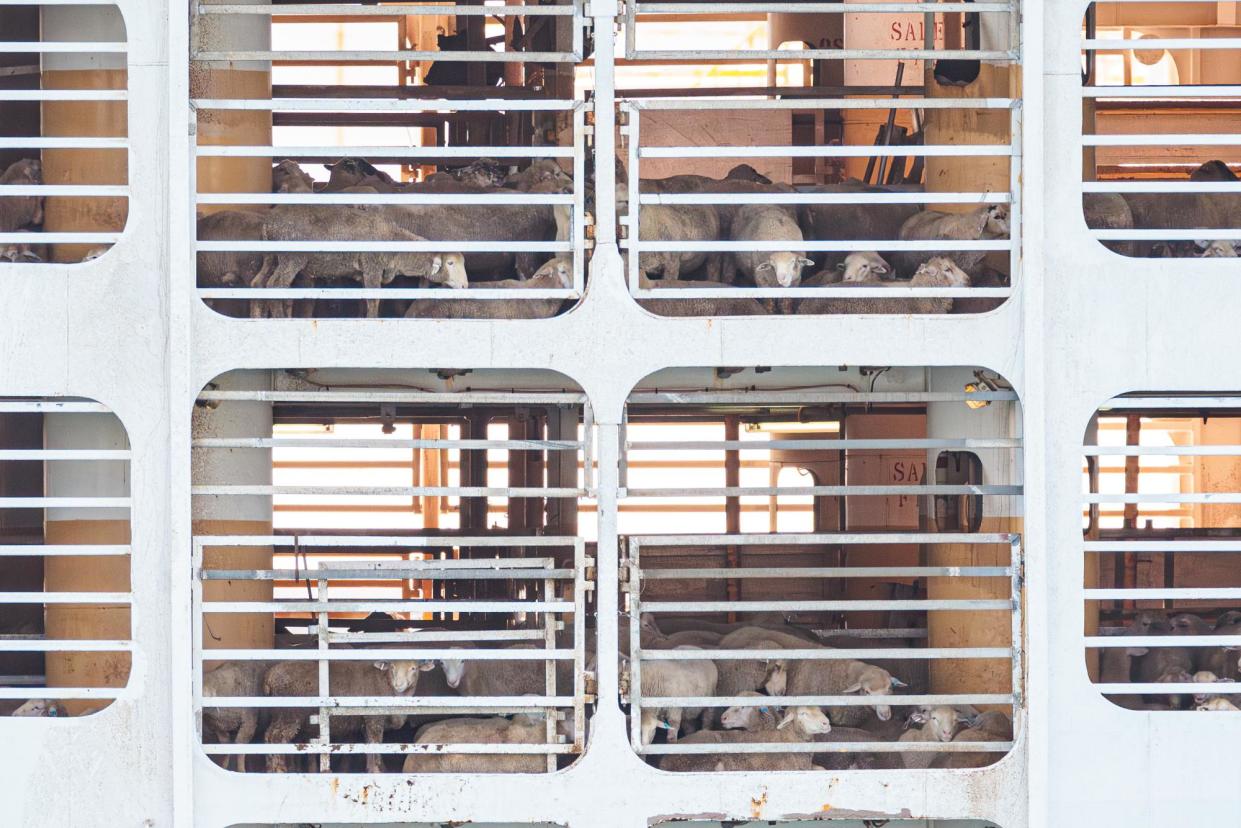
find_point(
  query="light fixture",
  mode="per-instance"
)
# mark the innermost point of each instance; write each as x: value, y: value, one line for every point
x: 982, y: 384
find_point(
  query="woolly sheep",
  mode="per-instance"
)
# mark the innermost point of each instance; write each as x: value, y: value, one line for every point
x: 696, y: 306
x: 798, y: 725
x: 18, y: 212
x: 233, y: 724
x: 992, y: 726
x: 681, y: 223
x: 349, y: 172
x: 287, y: 176
x: 697, y: 677
x: 939, y: 724
x: 232, y: 268
x: 486, y: 731
x: 939, y: 271
x: 988, y: 221
x: 556, y: 274
x: 837, y: 677
x: 1219, y: 704
x: 766, y: 223
x: 40, y: 708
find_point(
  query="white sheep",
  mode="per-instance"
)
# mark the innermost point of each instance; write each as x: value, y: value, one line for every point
x: 938, y: 724
x: 767, y: 223
x: 937, y: 272
x: 866, y: 266
x: 230, y: 724
x: 556, y: 274
x: 484, y: 731
x: 1219, y: 249
x: 1219, y: 704
x: 40, y: 708
x: 837, y: 677
x: 988, y: 221
x: 798, y: 725
x: 697, y: 677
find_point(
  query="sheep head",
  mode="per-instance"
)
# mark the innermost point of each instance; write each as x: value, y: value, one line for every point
x: 39, y: 708
x: 941, y: 271
x: 25, y: 171
x: 403, y: 675
x: 781, y: 270
x: 561, y: 268
x: 809, y: 720
x: 1188, y: 624
x: 1150, y: 622
x: 449, y: 269
x: 869, y: 680
x: 745, y: 718
x: 1219, y: 704
x: 288, y: 177
x: 863, y: 267
x: 454, y: 671
x: 776, y: 681
x: 1219, y: 249
x: 997, y: 225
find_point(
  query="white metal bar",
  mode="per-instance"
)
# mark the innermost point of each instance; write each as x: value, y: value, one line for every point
x: 824, y: 538
x: 1170, y: 593
x: 387, y: 748
x: 62, y: 142
x: 825, y: 103
x: 381, y: 443
x: 404, y: 703
x: 808, y: 246
x: 63, y: 94
x: 918, y: 605
x: 375, y: 246
x: 410, y: 198
x: 64, y: 502
x: 58, y: 693
x: 1156, y: 43
x: 829, y: 491
x: 748, y: 55
x: 60, y: 645
x: 481, y: 104
x: 842, y: 293
x: 831, y: 445
x: 1168, y: 235
x: 1204, y: 401
x: 1187, y: 91
x: 830, y: 654
x: 92, y: 190
x: 1118, y: 641
x: 1221, y: 450
x: 831, y: 572
x: 59, y: 238
x: 819, y: 8
x: 254, y: 151
x: 52, y: 406
x: 421, y: 636
x: 384, y: 56
x: 1181, y: 497
x: 827, y: 151
x: 1161, y: 187
x: 64, y: 454
x: 89, y: 47
x: 368, y: 605
x: 352, y: 574
x: 724, y: 748
x: 1164, y: 546
x: 411, y: 541
x: 1159, y: 689
x: 235, y: 490
x: 1163, y: 140
x: 92, y: 550
x: 427, y: 397
x: 802, y: 398
x: 393, y: 10
x: 824, y: 198
x: 520, y: 295
x: 914, y: 700
x: 65, y: 598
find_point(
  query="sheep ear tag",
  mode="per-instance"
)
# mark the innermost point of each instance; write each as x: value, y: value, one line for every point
x: 436, y: 264
x: 382, y: 665
x: 661, y: 725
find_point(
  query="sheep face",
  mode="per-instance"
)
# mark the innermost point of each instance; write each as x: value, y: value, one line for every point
x: 810, y: 720
x: 942, y: 721
x: 1217, y: 250
x: 560, y: 267
x: 781, y: 270
x: 744, y: 718
x: 449, y: 270
x: 777, y: 680
x: 39, y: 708
x: 29, y: 170
x: 1149, y: 622
x: 942, y: 270
x: 997, y: 221
x: 348, y: 172
x: 1187, y: 624
x: 1219, y: 704
x: 1204, y: 677
x: 289, y: 177
x: 403, y: 675
x: 870, y: 680
x: 864, y: 267
x: 454, y: 671
x: 1227, y: 619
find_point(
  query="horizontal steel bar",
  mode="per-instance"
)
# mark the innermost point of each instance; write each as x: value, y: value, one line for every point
x: 411, y: 198
x: 830, y: 572
x: 1219, y: 450
x: 33, y: 237
x: 429, y: 397
x: 63, y: 94
x: 58, y: 693
x: 388, y: 654
x: 395, y: 9
x: 759, y: 396
x: 1181, y: 593
x: 831, y: 292
x: 1164, y: 546
x: 404, y: 703
x: 808, y: 246
x: 1159, y: 689
x: 831, y: 445
x: 64, y: 502
x: 1118, y: 641
x: 64, y: 550
x: 235, y: 490
x: 1155, y: 43
x: 65, y: 454
x: 481, y: 104
x: 398, y: 541
x: 819, y: 8
x: 827, y: 151
x: 1161, y: 187
x: 739, y: 55
x: 824, y: 198
x: 791, y: 491
x: 387, y: 748
x: 728, y: 748
x: 60, y: 645
x: 927, y: 604
x: 384, y: 56
x: 52, y: 406
x: 65, y: 598
x: 858, y: 538
x: 1186, y: 91
x: 1162, y: 140
x: 874, y: 633
x: 421, y: 636
x: 377, y: 605
x: 1167, y: 235
x: 826, y: 701
x: 381, y: 443
x: 90, y: 47
x: 62, y: 142
x: 364, y: 246
x: 823, y: 103
x: 826, y: 654
x: 1171, y: 402
x: 433, y: 574
x: 1151, y: 497
x: 82, y: 190
x: 438, y: 294
x: 242, y: 151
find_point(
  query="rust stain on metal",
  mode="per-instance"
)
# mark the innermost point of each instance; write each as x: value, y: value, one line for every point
x: 335, y: 785
x: 757, y: 804
x: 366, y: 793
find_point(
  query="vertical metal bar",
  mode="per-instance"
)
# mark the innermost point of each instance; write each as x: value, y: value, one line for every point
x: 325, y: 731
x: 1017, y: 564
x: 588, y: 447
x: 624, y: 449
x: 579, y: 189
x: 196, y: 588
x: 603, y: 14
x: 631, y: 30
x: 1014, y: 185
x: 732, y: 506
x: 1126, y: 563
x: 549, y: 666
x: 635, y: 648
x: 579, y: 643
x: 634, y: 209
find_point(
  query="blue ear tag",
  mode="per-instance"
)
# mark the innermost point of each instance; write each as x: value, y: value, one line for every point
x: 764, y: 709
x: 663, y: 726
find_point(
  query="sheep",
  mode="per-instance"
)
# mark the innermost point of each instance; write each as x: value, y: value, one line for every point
x: 233, y: 268
x: 1224, y: 661
x: 25, y: 254
x: 482, y: 172
x: 992, y: 726
x: 504, y: 223
x: 725, y: 210
x: 19, y: 212
x: 939, y: 724
x: 288, y: 177
x: 1179, y: 211
x: 939, y: 271
x: 696, y: 306
x: 799, y: 725
x: 556, y: 274
x: 1207, y: 677
x: 681, y: 223
x: 486, y: 731
x: 694, y: 638
x: 765, y: 222
x: 1109, y: 211
x: 540, y: 173
x: 864, y: 267
x: 863, y: 222
x: 233, y: 679
x: 744, y: 172
x: 1213, y: 171
x: 473, y: 677
x: 834, y: 678
x: 750, y: 718
x: 374, y: 269
x: 989, y: 221
x: 348, y: 172
x: 1219, y: 704
x: 40, y: 708
x: 345, y: 678
x: 738, y: 676
x: 697, y: 677
x: 1218, y: 249
x: 835, y: 759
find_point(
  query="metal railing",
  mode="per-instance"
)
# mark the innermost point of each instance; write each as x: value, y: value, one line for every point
x: 1188, y: 195
x: 16, y: 640
x: 24, y: 245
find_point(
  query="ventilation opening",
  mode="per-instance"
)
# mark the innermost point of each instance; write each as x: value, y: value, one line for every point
x: 1160, y: 149
x: 832, y: 600
x: 1163, y: 551
x: 376, y: 162
x: 63, y: 132
x: 65, y: 647
x: 396, y: 542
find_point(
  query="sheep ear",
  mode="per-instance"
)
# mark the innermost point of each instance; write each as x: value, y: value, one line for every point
x: 856, y: 687
x: 437, y: 264
x: 231, y: 278
x: 895, y: 682
x: 426, y: 666
x: 765, y: 266
x: 1202, y: 244
x: 788, y: 718
x: 840, y: 266
x: 806, y: 262
x: 1137, y: 652
x: 383, y: 665
x: 879, y: 268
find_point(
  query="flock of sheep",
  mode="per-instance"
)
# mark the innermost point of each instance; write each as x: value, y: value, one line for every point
x: 1179, y: 665
x: 774, y: 724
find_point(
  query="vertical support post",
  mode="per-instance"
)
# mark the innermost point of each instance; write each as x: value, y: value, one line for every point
x: 579, y: 644
x: 1127, y: 562
x: 633, y: 207
x: 603, y: 14
x: 325, y: 724
x: 635, y: 647
x: 1017, y: 564
x: 607, y: 567
x: 578, y: 224
x: 732, y: 506
x: 562, y: 471
x: 549, y: 666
